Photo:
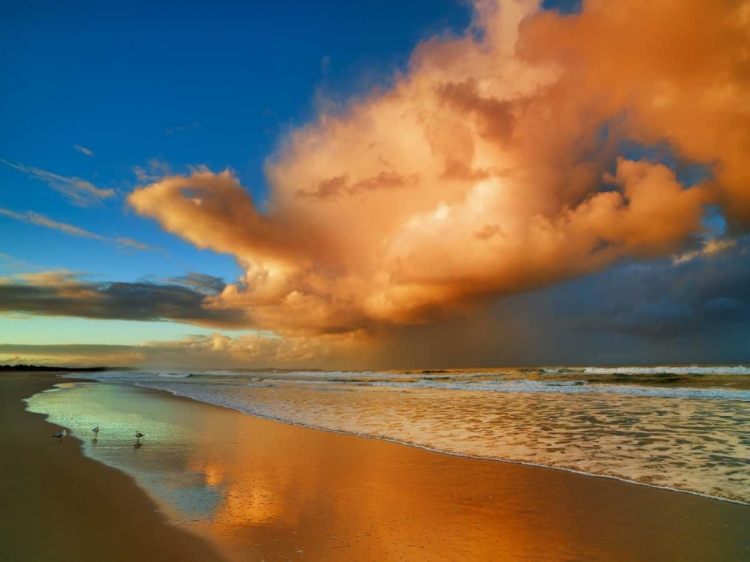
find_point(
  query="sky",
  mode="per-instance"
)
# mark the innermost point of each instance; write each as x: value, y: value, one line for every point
x: 376, y: 184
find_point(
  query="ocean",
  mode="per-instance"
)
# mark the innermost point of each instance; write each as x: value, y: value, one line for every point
x: 684, y: 428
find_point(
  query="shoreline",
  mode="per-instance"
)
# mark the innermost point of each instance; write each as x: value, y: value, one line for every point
x: 60, y: 504
x: 442, y: 451
x: 283, y: 489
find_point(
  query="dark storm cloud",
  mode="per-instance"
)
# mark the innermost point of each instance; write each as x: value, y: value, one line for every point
x: 665, y: 299
x: 65, y: 294
x: 201, y: 282
x: 88, y: 351
x: 655, y: 312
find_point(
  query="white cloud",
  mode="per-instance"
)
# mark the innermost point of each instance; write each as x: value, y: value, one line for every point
x: 83, y: 150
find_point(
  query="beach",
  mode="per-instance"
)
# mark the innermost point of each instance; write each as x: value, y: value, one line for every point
x: 59, y: 505
x: 256, y: 489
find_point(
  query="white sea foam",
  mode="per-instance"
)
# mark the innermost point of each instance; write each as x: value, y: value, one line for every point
x: 671, y: 370
x: 576, y: 387
x: 475, y: 382
x: 688, y: 438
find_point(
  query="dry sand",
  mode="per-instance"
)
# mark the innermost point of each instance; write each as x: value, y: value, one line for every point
x: 282, y: 492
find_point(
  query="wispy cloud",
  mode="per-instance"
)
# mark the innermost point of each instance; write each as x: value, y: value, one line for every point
x: 79, y: 191
x: 9, y: 263
x: 31, y: 217
x: 155, y: 170
x: 83, y: 150
x: 325, y: 64
x: 182, y: 128
x: 135, y: 245
x: 40, y: 220
x: 709, y: 248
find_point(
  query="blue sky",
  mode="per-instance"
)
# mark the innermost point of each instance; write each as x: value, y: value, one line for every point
x: 180, y: 84
x: 101, y: 93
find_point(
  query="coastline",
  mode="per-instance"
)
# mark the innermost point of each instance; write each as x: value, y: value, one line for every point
x: 58, y: 504
x: 283, y: 490
x: 450, y: 453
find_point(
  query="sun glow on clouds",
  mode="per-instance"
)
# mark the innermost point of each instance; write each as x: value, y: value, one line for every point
x: 480, y: 171
x: 198, y: 351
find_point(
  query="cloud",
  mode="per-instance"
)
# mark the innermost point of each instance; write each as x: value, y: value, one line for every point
x: 256, y: 350
x: 125, y: 242
x: 201, y: 282
x: 40, y: 220
x: 80, y: 192
x: 341, y: 186
x: 491, y: 166
x: 9, y: 263
x: 637, y: 312
x: 83, y: 150
x: 182, y: 128
x: 71, y: 355
x: 676, y: 70
x: 709, y: 248
x: 155, y: 170
x: 707, y: 293
x: 652, y: 312
x: 63, y: 293
x: 325, y: 64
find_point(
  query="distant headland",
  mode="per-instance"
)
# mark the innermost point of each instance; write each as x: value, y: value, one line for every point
x: 45, y: 368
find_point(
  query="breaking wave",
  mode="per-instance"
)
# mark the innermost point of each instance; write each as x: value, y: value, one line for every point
x: 683, y: 428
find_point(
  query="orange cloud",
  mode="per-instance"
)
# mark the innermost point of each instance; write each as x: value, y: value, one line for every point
x: 481, y: 171
x: 210, y: 352
x: 680, y: 69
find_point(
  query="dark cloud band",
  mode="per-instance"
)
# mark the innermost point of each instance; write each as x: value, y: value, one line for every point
x: 68, y: 295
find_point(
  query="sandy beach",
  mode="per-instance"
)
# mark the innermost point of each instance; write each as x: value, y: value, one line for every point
x: 262, y: 490
x: 57, y: 504
x: 375, y: 281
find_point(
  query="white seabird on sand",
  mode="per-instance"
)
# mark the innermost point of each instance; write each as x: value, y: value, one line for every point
x: 138, y: 436
x: 96, y: 432
x: 60, y: 435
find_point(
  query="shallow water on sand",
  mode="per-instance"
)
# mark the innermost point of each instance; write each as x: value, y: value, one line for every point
x: 677, y: 427
x: 266, y: 491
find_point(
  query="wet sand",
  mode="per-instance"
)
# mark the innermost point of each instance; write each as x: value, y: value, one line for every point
x: 58, y: 505
x: 261, y: 490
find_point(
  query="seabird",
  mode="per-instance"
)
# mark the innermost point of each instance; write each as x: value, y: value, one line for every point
x: 60, y: 435
x: 138, y: 436
x: 96, y: 432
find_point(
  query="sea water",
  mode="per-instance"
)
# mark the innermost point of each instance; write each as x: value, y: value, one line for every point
x: 681, y: 427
